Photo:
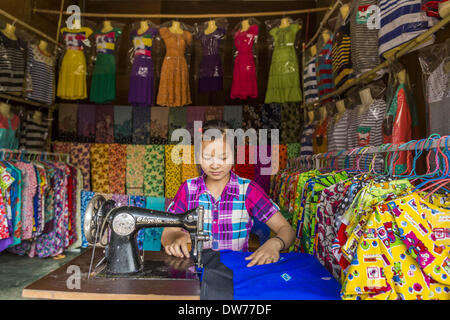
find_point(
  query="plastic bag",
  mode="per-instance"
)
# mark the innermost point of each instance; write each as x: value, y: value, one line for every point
x: 40, y: 71
x: 284, y: 75
x: 143, y: 60
x: 245, y: 37
x: 209, y: 52
x: 73, y: 68
x: 13, y: 50
x: 174, y: 89
x: 103, y: 61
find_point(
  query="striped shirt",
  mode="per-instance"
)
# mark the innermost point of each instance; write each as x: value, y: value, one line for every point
x: 306, y: 140
x: 340, y: 55
x: 229, y: 219
x: 41, y: 73
x: 33, y: 135
x: 310, y: 81
x: 364, y: 43
x: 340, y: 131
x: 324, y: 69
x: 12, y: 64
x: 402, y: 21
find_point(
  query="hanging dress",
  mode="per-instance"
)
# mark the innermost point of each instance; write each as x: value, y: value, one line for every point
x: 72, y: 73
x: 210, y: 73
x: 244, y: 74
x: 12, y: 64
x: 284, y: 76
x: 141, y: 91
x: 103, y: 85
x: 174, y: 84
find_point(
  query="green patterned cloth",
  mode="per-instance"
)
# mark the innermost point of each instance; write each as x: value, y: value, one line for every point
x: 293, y: 150
x: 154, y: 171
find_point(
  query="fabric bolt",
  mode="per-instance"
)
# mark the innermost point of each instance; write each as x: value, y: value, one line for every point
x: 295, y: 276
x: 86, y: 197
x: 364, y: 41
x: 141, y: 125
x: 284, y: 78
x: 141, y: 90
x: 189, y: 168
x: 117, y: 163
x: 271, y: 116
x: 310, y: 81
x: 213, y: 113
x: 306, y: 139
x: 290, y: 123
x: 324, y: 69
x: 210, y: 72
x: 233, y: 115
x: 401, y: 22
x: 73, y: 70
x: 283, y: 156
x: 99, y: 155
x: 123, y: 116
x: 244, y: 83
x: 86, y: 123
x: 194, y: 114
x: 67, y: 122
x: 152, y: 238
x: 341, y: 55
x: 9, y: 132
x: 103, y: 85
x: 140, y: 202
x: 135, y: 169
x: 159, y: 125
x: 154, y: 171
x: 177, y: 120
x: 229, y: 219
x: 293, y: 150
x: 174, y: 88
x: 12, y: 64
x: 33, y: 134
x: 40, y: 73
x: 104, y: 124
x: 251, y: 117
x: 80, y: 157
x: 172, y: 169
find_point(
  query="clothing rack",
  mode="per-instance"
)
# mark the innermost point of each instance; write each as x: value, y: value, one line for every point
x: 371, y: 75
x: 8, y: 97
x: 429, y: 143
x: 186, y: 16
x: 43, y: 153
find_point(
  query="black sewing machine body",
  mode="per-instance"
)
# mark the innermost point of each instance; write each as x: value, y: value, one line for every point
x: 121, y: 250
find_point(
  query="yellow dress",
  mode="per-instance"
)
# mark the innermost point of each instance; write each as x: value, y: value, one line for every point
x: 72, y: 74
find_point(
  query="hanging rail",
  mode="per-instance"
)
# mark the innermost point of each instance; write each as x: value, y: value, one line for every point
x: 44, y: 153
x: 187, y: 16
x: 25, y: 101
x: 323, y: 22
x: 27, y: 26
x: 371, y: 75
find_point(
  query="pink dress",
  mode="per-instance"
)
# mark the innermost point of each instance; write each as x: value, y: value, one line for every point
x: 244, y: 75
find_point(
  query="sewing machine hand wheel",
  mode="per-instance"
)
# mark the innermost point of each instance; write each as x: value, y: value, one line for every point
x: 94, y: 217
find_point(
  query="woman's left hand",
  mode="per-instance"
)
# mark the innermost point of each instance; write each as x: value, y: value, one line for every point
x: 269, y: 252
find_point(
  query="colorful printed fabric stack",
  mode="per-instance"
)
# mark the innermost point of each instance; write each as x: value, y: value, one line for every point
x: 290, y: 123
x: 141, y: 125
x: 154, y: 171
x: 293, y: 150
x: 173, y: 170
x: 135, y: 169
x: 80, y: 158
x: 100, y: 167
x: 122, y: 124
x: 189, y: 169
x: 117, y: 168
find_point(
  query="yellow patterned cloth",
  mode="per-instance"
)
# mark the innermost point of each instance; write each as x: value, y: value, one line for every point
x: 117, y: 168
x: 100, y: 167
x: 403, y: 253
x: 173, y: 169
x: 154, y: 171
x: 189, y: 169
x: 135, y: 169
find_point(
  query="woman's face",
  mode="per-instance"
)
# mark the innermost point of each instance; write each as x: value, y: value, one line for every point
x: 216, y: 158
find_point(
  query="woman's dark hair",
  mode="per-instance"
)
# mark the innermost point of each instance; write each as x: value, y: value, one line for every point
x: 220, y: 125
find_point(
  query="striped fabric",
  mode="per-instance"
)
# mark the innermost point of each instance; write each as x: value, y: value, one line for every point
x: 229, y: 219
x: 401, y: 21
x: 340, y: 131
x: 340, y: 55
x: 364, y: 43
x: 41, y: 71
x: 33, y: 135
x: 369, y: 130
x: 307, y: 140
x: 12, y: 64
x: 324, y: 69
x: 310, y: 81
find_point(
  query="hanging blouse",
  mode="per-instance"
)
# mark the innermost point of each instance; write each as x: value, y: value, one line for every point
x: 8, y: 132
x: 40, y: 75
x: 12, y: 64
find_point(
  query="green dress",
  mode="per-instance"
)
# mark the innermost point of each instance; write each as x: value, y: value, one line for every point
x: 284, y: 76
x: 103, y: 86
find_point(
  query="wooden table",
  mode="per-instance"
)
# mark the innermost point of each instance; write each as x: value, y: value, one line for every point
x: 54, y: 285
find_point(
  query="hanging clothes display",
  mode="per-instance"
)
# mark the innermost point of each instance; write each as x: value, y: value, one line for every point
x: 72, y: 73
x: 12, y: 64
x: 244, y: 84
x: 306, y: 139
x: 341, y: 55
x: 310, y: 81
x: 284, y: 77
x: 210, y: 72
x: 34, y: 133
x: 174, y: 88
x: 141, y: 90
x: 324, y: 68
x: 40, y: 73
x: 103, y: 86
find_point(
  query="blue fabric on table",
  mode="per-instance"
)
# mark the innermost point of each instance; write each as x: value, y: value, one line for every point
x: 152, y: 236
x: 297, y: 276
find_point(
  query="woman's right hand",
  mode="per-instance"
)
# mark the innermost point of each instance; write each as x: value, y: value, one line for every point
x: 179, y: 247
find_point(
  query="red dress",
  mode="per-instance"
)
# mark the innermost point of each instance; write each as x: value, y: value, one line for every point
x: 244, y: 74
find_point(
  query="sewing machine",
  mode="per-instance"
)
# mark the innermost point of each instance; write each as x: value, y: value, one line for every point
x: 116, y: 228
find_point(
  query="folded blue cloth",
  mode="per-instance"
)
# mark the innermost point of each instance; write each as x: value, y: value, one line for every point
x: 296, y: 276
